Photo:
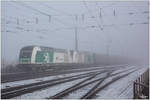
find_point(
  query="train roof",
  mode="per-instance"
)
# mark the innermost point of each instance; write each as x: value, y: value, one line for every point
x: 28, y: 48
x: 50, y: 49
x: 44, y: 48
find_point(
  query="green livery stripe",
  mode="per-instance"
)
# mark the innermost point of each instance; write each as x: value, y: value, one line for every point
x: 40, y: 57
x: 25, y: 60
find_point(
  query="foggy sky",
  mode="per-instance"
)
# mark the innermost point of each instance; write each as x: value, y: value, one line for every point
x: 118, y: 34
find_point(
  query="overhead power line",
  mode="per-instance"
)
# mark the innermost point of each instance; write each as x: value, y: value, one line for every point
x: 60, y: 11
x: 84, y: 2
x: 43, y: 13
x: 72, y: 28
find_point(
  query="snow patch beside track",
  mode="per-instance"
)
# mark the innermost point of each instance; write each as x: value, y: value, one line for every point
x: 24, y: 82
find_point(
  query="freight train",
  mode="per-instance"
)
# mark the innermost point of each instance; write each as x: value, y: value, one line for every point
x: 41, y: 58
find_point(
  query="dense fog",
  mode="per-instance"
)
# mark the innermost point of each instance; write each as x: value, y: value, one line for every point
x: 118, y: 31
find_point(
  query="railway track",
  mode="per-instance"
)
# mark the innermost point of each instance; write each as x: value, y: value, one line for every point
x: 84, y: 83
x: 42, y: 82
x: 90, y: 94
x: 19, y: 90
x: 23, y: 89
x: 11, y: 77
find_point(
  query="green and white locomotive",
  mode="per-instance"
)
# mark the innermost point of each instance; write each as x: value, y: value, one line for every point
x: 39, y: 57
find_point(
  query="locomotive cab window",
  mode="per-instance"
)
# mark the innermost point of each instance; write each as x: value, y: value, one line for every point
x: 25, y: 54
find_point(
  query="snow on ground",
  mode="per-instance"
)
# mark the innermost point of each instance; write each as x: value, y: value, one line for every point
x: 123, y: 69
x: 23, y: 82
x: 94, y: 68
x: 29, y: 81
x: 80, y: 92
x: 82, y: 68
x: 121, y: 89
x: 45, y: 93
x: 13, y: 73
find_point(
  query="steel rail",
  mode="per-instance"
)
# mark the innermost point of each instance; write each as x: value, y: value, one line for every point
x: 16, y: 91
x: 81, y: 85
x: 73, y: 88
x: 32, y: 84
x: 91, y: 93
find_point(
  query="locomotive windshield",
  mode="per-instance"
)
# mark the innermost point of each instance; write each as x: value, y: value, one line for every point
x: 25, y: 54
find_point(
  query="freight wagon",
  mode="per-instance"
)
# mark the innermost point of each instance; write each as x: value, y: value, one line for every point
x: 41, y: 58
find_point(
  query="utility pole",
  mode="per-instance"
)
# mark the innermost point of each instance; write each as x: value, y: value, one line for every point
x: 114, y: 13
x: 100, y: 13
x: 50, y: 18
x: 76, y: 35
x: 76, y: 40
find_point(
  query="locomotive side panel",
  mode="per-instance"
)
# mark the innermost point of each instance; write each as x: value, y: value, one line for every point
x: 66, y: 58
x: 80, y: 59
x: 70, y: 56
x: 59, y: 57
x: 86, y: 58
x: 90, y: 58
x: 44, y: 57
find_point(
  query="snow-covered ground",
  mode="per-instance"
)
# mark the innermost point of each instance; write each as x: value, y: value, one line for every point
x: 121, y: 89
x: 29, y: 81
x: 51, y: 91
x: 80, y: 92
x: 45, y: 93
x: 23, y: 82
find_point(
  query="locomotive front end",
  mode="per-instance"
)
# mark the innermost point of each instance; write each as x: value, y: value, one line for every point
x: 25, y: 55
